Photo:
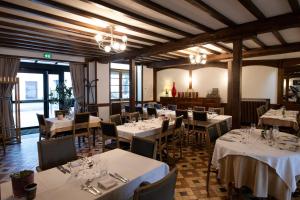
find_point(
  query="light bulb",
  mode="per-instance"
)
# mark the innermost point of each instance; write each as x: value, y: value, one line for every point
x: 203, y: 61
x: 116, y: 45
x: 198, y: 58
x: 193, y: 61
x: 122, y: 46
x: 204, y: 56
x: 124, y: 38
x: 191, y: 56
x: 107, y: 49
x: 98, y: 37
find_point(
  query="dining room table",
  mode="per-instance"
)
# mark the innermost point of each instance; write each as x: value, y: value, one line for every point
x: 55, y: 125
x: 280, y: 118
x: 266, y: 163
x: 111, y: 175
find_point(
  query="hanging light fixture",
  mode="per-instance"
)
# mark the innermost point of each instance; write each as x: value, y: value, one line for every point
x: 110, y: 43
x: 199, y: 58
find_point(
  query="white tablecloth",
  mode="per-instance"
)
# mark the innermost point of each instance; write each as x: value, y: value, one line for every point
x: 143, y: 128
x: 286, y: 163
x: 55, y: 124
x: 275, y: 117
x: 53, y: 184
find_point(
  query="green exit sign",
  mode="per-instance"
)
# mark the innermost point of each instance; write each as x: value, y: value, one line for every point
x: 47, y: 55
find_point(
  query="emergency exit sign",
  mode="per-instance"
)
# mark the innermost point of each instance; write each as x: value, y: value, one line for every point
x: 47, y: 55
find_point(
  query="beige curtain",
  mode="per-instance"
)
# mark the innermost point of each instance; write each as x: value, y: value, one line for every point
x: 8, y: 68
x: 77, y: 76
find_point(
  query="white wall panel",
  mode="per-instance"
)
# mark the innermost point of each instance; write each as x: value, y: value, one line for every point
x: 147, y: 84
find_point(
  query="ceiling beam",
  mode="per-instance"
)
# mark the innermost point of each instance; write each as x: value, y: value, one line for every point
x: 294, y: 4
x: 255, y: 11
x: 174, y: 15
x: 82, y: 13
x: 135, y: 16
x: 251, y: 53
x: 245, y: 30
x: 73, y: 30
x: 223, y: 47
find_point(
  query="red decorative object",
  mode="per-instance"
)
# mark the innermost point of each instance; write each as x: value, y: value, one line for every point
x: 173, y: 90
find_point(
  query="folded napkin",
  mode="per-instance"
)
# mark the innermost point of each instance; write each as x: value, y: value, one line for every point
x: 226, y: 139
x: 76, y: 163
x: 107, y: 182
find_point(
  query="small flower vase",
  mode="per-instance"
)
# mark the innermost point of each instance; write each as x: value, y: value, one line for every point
x: 174, y: 90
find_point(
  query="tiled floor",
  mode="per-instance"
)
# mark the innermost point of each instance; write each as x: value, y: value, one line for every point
x: 191, y: 169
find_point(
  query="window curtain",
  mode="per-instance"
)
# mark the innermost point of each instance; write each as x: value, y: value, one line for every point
x: 77, y: 76
x: 8, y: 68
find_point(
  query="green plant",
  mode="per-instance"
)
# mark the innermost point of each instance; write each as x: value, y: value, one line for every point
x: 62, y: 95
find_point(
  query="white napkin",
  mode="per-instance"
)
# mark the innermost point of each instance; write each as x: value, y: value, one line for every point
x: 107, y: 182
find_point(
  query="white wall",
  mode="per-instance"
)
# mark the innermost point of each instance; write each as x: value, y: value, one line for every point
x: 260, y: 82
x: 257, y: 81
x: 103, y: 89
x: 147, y: 84
x: 38, y: 54
x: 165, y: 79
x: 205, y: 79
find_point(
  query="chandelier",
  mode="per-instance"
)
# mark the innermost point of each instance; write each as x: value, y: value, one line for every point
x: 109, y: 42
x: 199, y: 58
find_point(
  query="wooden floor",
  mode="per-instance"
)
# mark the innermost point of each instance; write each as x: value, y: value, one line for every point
x: 191, y: 169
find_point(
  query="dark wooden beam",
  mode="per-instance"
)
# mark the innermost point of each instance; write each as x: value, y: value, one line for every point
x: 132, y: 81
x: 78, y: 12
x: 72, y: 30
x: 210, y: 50
x: 183, y: 62
x: 234, y: 84
x: 287, y: 87
x: 135, y: 16
x: 280, y: 84
x: 174, y: 15
x: 294, y: 6
x: 258, y: 42
x: 246, y: 30
x: 223, y: 47
x: 254, y: 10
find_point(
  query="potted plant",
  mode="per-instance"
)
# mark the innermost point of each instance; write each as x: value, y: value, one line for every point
x: 62, y: 95
x: 19, y: 180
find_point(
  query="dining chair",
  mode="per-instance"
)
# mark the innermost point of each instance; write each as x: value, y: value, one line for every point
x: 163, y: 189
x: 157, y: 106
x: 151, y: 112
x: 219, y: 111
x: 63, y: 112
x: 93, y: 109
x: 127, y: 108
x: 212, y: 136
x: 139, y: 109
x: 81, y: 127
x: 162, y: 138
x: 143, y: 147
x: 175, y: 137
x: 198, y: 130
x: 186, y: 121
x: 134, y: 116
x: 110, y: 132
x: 259, y: 111
x: 2, y: 138
x: 199, y: 108
x: 223, y: 126
x: 116, y: 119
x: 44, y: 133
x: 172, y: 107
x: 56, y: 152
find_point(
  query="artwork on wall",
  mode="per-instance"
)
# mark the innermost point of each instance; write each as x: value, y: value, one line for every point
x: 214, y: 93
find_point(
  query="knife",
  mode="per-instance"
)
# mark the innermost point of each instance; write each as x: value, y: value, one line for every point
x: 118, y: 175
x: 120, y: 179
x: 61, y: 169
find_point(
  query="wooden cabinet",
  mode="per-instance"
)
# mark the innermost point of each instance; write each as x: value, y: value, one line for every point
x: 184, y: 103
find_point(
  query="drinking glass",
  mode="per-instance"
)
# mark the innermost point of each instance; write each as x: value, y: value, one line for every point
x: 253, y: 127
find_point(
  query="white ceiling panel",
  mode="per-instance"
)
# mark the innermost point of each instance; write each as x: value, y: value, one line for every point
x: 250, y: 44
x: 269, y: 39
x: 229, y: 45
x: 272, y: 8
x: 146, y: 12
x: 231, y: 9
x: 188, y: 10
x: 213, y: 47
x: 291, y: 35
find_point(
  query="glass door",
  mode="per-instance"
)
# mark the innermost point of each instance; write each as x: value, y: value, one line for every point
x: 53, y: 81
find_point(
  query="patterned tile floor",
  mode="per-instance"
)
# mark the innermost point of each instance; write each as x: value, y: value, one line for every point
x: 191, y: 184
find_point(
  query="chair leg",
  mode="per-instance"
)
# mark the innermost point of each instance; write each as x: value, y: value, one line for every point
x: 79, y: 141
x: 4, y: 147
x: 94, y: 137
x: 208, y: 177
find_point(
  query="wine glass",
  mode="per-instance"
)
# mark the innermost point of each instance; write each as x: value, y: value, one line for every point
x: 252, y: 128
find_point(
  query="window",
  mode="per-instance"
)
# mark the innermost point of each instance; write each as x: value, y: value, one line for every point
x: 119, y: 84
x: 31, y: 90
